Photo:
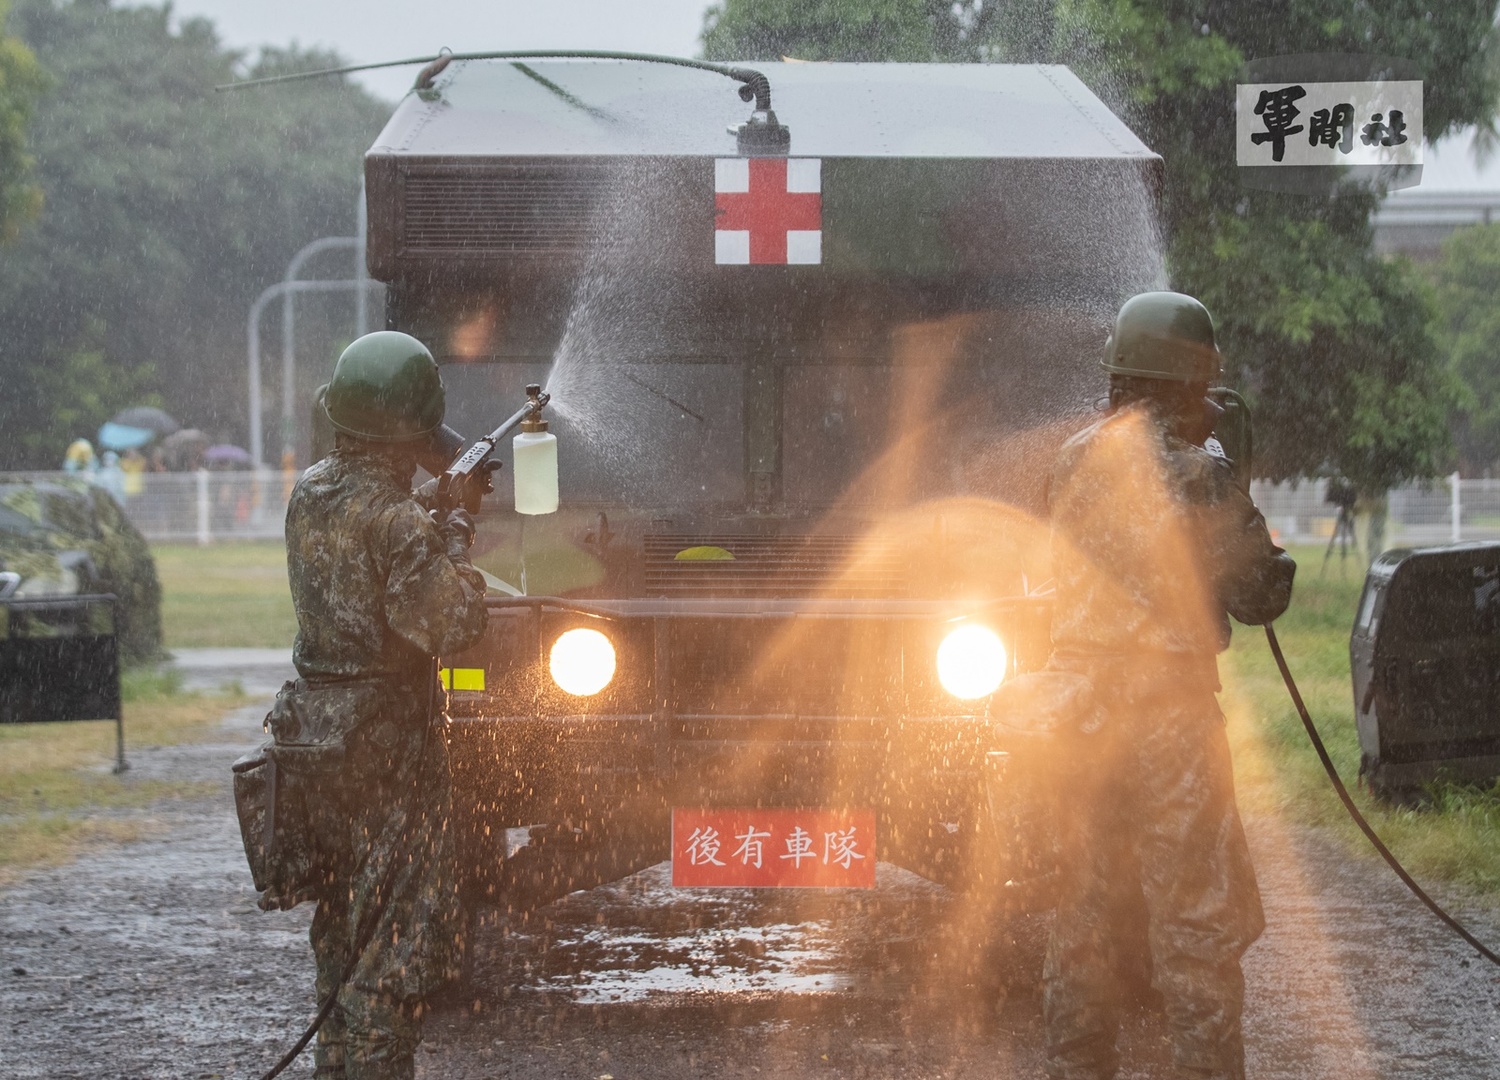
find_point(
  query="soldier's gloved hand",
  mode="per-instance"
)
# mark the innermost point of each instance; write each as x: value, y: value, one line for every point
x: 458, y: 530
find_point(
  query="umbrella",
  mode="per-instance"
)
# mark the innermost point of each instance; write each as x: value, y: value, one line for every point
x: 225, y: 454
x: 181, y: 449
x: 148, y: 417
x: 113, y: 436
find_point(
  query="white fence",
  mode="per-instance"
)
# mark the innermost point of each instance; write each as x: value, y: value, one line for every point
x: 1440, y: 511
x: 205, y: 507
x: 202, y: 507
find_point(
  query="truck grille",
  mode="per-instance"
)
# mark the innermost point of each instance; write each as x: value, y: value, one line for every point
x: 502, y: 209
x: 841, y: 567
x: 784, y: 669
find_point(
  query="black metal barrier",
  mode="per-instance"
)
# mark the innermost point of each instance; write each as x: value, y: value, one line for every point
x: 60, y: 661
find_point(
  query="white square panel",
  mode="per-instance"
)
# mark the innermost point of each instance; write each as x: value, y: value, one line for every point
x: 731, y: 245
x: 804, y: 174
x: 731, y: 174
x: 802, y: 245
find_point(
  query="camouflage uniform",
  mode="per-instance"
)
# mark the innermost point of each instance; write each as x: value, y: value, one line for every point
x: 379, y: 589
x: 1153, y: 545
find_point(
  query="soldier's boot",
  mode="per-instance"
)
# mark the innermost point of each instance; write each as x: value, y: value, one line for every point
x: 1203, y: 1003
x: 380, y: 1055
x: 328, y: 1051
x: 1095, y: 1059
x: 1081, y: 1028
x: 1080, y: 1008
x: 1221, y: 1060
x: 1186, y: 1072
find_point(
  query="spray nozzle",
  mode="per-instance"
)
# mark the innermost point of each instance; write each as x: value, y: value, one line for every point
x: 536, y: 402
x: 762, y: 135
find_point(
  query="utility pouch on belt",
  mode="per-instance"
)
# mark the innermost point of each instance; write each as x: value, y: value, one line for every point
x: 278, y: 788
x: 277, y: 842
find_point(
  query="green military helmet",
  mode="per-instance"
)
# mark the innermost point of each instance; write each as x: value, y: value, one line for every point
x: 385, y: 388
x: 1163, y: 335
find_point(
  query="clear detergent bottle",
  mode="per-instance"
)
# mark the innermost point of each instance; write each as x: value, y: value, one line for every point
x: 535, y: 467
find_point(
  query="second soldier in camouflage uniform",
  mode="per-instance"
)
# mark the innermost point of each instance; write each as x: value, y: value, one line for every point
x: 379, y: 589
x: 1153, y: 544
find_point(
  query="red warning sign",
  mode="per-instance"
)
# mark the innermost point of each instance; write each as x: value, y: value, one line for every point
x: 775, y: 848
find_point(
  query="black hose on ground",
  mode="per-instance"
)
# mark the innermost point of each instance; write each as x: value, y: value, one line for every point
x: 1359, y: 819
x: 307, y: 1036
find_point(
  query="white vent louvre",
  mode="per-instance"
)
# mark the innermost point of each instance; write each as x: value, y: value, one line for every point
x: 502, y: 209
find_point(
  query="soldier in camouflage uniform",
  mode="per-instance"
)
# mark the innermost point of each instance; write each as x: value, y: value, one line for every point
x: 379, y: 589
x: 1154, y: 547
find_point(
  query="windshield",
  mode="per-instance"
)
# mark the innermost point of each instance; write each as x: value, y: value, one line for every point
x: 659, y: 434
x: 963, y: 405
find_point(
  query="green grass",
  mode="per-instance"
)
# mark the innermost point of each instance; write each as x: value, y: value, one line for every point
x: 225, y: 595
x: 56, y: 787
x: 1457, y: 839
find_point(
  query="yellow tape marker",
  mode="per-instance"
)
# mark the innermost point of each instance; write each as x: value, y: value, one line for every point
x: 705, y: 553
x: 464, y: 678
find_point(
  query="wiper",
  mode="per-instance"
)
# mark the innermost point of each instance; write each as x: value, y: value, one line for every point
x: 756, y: 85
x: 664, y: 396
x: 761, y: 134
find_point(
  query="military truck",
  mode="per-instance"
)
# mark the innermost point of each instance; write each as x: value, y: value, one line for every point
x: 809, y: 369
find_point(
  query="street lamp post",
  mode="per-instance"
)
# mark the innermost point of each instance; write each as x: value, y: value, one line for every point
x: 257, y: 309
x: 289, y: 330
x: 361, y: 268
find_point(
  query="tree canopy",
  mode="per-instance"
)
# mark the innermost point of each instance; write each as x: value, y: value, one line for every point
x: 20, y: 82
x: 1333, y: 344
x: 1468, y: 299
x: 166, y: 209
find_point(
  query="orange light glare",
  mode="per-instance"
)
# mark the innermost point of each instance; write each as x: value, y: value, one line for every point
x: 971, y: 662
x: 582, y: 662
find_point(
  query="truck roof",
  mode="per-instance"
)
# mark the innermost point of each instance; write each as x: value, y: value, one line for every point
x: 604, y: 108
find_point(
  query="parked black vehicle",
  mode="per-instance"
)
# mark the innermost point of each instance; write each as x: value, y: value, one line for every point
x: 1425, y: 660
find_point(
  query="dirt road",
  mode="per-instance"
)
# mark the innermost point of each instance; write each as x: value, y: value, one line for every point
x: 150, y: 960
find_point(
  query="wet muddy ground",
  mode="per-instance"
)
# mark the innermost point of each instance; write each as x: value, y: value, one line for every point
x: 150, y: 960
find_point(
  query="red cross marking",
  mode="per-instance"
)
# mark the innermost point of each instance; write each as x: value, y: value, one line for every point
x: 768, y: 211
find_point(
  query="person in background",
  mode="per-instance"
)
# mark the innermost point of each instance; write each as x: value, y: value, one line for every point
x: 111, y: 477
x: 80, y: 457
x: 133, y: 468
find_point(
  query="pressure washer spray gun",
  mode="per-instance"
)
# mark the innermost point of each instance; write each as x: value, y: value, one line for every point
x: 470, y: 477
x: 1232, y: 436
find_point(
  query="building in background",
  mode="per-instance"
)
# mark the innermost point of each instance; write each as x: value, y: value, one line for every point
x: 1455, y: 192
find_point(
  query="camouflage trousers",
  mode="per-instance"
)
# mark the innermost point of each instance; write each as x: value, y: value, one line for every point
x: 1151, y: 813
x: 389, y: 836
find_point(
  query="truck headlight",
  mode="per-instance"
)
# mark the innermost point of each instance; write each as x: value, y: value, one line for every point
x: 971, y: 662
x: 582, y: 662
